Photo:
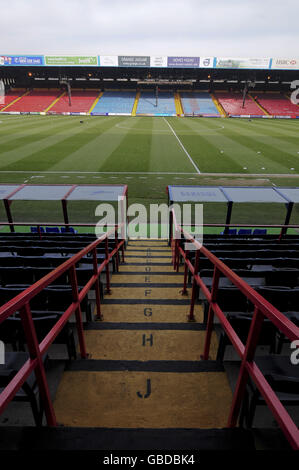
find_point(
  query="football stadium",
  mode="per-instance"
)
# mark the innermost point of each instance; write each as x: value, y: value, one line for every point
x: 142, y: 333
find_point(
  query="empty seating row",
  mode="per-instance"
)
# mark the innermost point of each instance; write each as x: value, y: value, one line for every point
x: 12, y: 331
x: 232, y: 104
x: 277, y: 104
x: 272, y: 277
x: 80, y: 102
x: 53, y: 230
x: 30, y: 275
x: 36, y: 100
x: 53, y: 298
x: 246, y: 231
x: 231, y: 299
x: 115, y: 102
x: 149, y: 104
x: 195, y: 103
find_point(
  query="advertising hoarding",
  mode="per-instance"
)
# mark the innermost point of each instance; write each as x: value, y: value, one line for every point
x: 183, y: 62
x: 158, y: 61
x: 23, y: 60
x: 286, y: 64
x: 108, y: 60
x: 60, y: 60
x: 237, y: 63
x: 134, y: 61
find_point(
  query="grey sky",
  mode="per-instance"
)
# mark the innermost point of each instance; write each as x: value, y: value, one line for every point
x: 231, y: 28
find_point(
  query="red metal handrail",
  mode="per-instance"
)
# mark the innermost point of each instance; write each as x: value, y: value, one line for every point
x: 262, y: 309
x: 22, y: 303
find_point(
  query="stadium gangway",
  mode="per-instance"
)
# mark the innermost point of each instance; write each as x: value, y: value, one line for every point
x: 21, y: 303
x: 262, y: 309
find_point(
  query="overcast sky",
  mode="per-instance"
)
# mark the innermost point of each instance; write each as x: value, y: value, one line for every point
x: 227, y: 28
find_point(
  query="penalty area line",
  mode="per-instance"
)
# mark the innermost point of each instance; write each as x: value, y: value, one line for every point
x: 182, y: 146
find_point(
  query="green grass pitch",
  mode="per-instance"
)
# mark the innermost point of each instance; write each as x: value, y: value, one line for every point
x: 148, y: 154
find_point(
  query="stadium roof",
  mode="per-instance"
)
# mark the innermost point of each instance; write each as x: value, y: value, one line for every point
x: 157, y: 61
x: 233, y: 194
x: 58, y: 192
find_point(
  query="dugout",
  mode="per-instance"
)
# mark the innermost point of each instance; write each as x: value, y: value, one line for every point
x: 254, y: 205
x: 58, y: 203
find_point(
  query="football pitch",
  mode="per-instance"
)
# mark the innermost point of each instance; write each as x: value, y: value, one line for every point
x: 148, y: 154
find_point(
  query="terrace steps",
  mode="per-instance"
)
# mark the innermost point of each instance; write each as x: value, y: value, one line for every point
x: 15, y: 100
x: 178, y: 104
x: 218, y: 106
x: 135, y: 106
x: 95, y: 102
x: 54, y: 101
x: 259, y: 105
x: 144, y: 374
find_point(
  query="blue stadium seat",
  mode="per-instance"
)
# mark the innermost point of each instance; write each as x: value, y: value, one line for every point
x: 198, y: 103
x: 259, y: 231
x: 52, y: 230
x: 231, y: 231
x: 35, y: 230
x: 147, y: 103
x: 115, y: 102
x: 70, y: 230
x: 245, y: 231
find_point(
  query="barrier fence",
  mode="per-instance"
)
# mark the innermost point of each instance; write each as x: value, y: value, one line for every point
x: 262, y: 309
x: 21, y: 303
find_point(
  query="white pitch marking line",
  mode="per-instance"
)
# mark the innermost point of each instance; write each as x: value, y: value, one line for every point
x: 182, y: 146
x: 99, y: 172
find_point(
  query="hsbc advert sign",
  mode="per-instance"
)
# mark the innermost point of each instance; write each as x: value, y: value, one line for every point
x: 286, y: 64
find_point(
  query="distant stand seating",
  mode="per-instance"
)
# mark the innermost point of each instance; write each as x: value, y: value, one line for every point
x: 53, y: 230
x: 277, y: 104
x: 198, y: 103
x: 81, y: 102
x: 245, y: 231
x: 10, y: 96
x: 232, y: 104
x: 115, y: 102
x: 147, y: 103
x: 36, y: 101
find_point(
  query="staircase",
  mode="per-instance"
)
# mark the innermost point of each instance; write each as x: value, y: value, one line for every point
x: 144, y: 385
x: 135, y: 106
x: 178, y: 104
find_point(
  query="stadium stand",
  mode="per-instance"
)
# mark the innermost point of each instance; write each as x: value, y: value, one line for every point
x: 195, y: 103
x: 147, y: 103
x: 277, y: 104
x: 145, y: 283
x: 232, y: 103
x: 36, y: 100
x: 115, y: 102
x: 10, y: 96
x: 81, y: 102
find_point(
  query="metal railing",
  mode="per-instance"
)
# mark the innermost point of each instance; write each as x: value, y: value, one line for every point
x: 21, y: 303
x: 262, y: 309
